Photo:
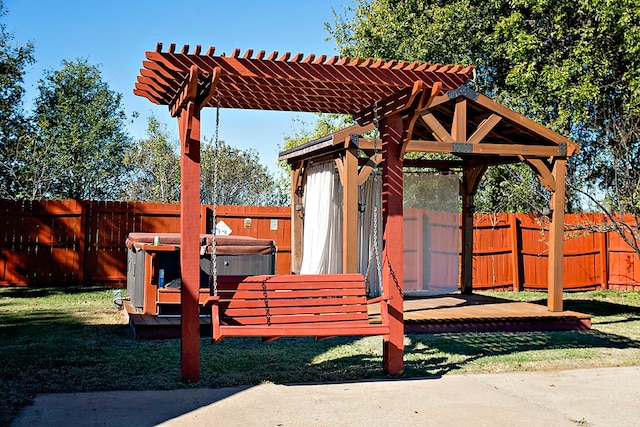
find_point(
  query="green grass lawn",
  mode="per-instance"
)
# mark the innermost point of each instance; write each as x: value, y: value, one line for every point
x: 73, y: 339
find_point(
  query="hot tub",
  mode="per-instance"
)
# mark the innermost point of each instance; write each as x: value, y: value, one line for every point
x: 235, y: 255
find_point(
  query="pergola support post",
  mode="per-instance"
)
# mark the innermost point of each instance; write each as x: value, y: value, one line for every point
x: 556, y: 237
x: 466, y: 265
x: 392, y: 129
x: 470, y: 181
x: 350, y: 212
x: 189, y: 131
x: 297, y: 214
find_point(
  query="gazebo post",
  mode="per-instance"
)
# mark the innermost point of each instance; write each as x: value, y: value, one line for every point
x: 350, y: 211
x: 556, y: 237
x: 466, y: 251
x: 297, y: 233
x: 392, y: 130
x: 470, y: 180
x: 189, y: 130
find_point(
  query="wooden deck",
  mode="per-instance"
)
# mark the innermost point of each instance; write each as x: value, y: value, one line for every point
x: 441, y: 314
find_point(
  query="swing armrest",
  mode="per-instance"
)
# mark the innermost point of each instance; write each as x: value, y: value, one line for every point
x: 211, y: 301
x: 378, y: 299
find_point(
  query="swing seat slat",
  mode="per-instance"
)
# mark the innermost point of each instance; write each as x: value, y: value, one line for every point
x: 268, y: 306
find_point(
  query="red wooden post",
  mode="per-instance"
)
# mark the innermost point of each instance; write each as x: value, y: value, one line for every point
x: 604, y: 257
x: 556, y: 238
x: 515, y: 253
x: 393, y: 241
x: 189, y: 130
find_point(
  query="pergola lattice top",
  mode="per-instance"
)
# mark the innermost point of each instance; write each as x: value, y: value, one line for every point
x: 286, y: 83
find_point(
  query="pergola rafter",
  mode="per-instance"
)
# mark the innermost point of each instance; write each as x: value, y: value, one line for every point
x: 291, y: 82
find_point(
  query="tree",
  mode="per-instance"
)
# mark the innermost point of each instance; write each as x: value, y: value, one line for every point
x: 81, y: 123
x: 14, y: 123
x: 230, y: 176
x: 154, y: 165
x: 572, y: 66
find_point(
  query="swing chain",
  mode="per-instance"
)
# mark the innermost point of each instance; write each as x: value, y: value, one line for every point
x: 266, y: 302
x: 213, y: 272
x: 376, y: 250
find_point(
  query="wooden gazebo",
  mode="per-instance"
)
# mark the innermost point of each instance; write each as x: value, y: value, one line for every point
x: 420, y: 107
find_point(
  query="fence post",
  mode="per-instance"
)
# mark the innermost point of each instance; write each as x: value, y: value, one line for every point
x: 604, y: 258
x: 82, y: 241
x: 515, y: 253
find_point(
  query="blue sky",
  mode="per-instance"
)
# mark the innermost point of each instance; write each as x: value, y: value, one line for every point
x: 115, y: 34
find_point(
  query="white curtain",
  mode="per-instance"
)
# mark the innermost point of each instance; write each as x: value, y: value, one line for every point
x: 322, y: 244
x: 431, y: 234
x: 370, y: 212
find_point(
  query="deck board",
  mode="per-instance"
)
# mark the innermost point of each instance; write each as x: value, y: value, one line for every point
x: 440, y: 314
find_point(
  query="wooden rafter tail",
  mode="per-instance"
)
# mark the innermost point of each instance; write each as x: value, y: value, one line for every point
x: 163, y: 58
x: 436, y: 90
x: 147, y: 95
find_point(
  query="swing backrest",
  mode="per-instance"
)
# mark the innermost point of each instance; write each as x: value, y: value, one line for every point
x: 292, y: 299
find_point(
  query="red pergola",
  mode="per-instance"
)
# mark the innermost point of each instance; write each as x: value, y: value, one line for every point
x: 397, y: 93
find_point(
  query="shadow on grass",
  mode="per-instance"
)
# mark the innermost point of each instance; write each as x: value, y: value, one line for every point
x: 50, y: 349
x: 596, y: 308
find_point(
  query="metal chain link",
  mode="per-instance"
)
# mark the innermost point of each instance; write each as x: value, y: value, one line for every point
x: 376, y: 249
x: 266, y: 302
x: 213, y: 272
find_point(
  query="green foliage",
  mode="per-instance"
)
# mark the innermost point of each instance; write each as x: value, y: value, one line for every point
x: 572, y: 66
x: 305, y: 131
x: 14, y: 124
x: 511, y: 188
x: 154, y: 163
x: 81, y: 122
x: 241, y: 179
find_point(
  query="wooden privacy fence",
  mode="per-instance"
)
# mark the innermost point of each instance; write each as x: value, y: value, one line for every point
x: 61, y: 242
x: 69, y: 242
x: 511, y: 252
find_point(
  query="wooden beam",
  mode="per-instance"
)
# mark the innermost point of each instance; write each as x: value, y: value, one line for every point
x: 484, y: 128
x: 484, y: 148
x: 459, y: 126
x: 556, y: 238
x: 393, y: 104
x: 188, y: 91
x: 190, y: 241
x: 350, y: 212
x: 436, y: 128
x: 297, y: 235
x: 211, y: 93
x: 543, y: 169
x: 392, y: 129
x: 527, y: 123
x: 344, y: 135
x: 514, y: 232
x: 470, y: 181
x: 366, y: 170
x: 422, y: 104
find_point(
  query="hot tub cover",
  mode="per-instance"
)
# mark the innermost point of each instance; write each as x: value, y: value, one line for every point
x: 225, y: 245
